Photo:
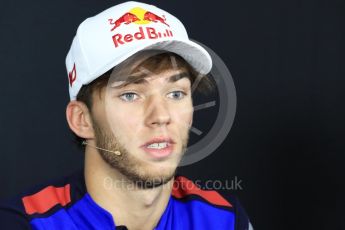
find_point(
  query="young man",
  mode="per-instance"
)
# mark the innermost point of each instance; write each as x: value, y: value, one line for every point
x: 131, y: 69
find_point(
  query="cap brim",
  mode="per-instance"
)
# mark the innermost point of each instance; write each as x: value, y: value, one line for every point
x: 192, y: 52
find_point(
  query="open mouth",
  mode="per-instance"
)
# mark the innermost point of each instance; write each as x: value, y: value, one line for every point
x: 159, y: 147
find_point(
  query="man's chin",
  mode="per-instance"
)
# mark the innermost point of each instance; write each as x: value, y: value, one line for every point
x: 156, y: 173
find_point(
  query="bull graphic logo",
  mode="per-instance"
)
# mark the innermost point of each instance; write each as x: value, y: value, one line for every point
x: 127, y: 18
x: 138, y: 16
x: 148, y: 16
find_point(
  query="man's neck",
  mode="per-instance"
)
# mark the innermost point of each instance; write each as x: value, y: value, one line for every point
x: 129, y: 205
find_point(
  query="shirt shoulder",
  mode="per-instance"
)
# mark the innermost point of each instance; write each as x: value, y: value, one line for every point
x: 41, y: 201
x: 215, y: 202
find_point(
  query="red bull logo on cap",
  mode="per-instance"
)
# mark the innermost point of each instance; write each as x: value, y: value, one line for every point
x: 139, y: 16
x: 127, y: 18
x: 72, y: 75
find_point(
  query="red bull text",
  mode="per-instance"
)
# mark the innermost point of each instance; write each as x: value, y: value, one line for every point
x: 143, y: 33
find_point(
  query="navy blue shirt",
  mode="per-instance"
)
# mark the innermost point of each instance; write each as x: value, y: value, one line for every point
x: 65, y: 204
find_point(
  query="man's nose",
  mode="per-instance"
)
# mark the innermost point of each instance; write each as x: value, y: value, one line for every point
x: 157, y: 112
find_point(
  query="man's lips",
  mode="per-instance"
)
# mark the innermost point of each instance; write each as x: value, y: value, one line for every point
x: 159, y: 140
x: 158, y: 147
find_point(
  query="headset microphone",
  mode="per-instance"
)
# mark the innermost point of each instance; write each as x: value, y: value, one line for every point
x: 118, y: 153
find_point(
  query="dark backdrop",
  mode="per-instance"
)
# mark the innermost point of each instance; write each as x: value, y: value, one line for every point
x: 287, y: 61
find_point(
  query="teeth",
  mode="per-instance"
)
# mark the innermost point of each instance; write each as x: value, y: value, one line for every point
x: 160, y: 145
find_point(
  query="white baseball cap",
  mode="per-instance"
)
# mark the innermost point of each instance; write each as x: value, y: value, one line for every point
x: 112, y: 36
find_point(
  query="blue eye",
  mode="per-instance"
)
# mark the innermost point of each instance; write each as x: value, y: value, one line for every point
x: 177, y: 95
x: 129, y: 96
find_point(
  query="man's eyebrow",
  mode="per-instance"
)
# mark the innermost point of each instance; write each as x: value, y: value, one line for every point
x: 178, y: 76
x: 134, y: 79
x: 128, y: 80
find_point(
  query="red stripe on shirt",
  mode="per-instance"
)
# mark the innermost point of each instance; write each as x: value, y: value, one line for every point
x: 184, y: 187
x: 47, y: 198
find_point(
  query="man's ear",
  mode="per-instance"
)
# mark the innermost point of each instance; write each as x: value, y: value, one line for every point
x: 79, y: 119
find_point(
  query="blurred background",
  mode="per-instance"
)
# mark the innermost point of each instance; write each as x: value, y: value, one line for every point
x: 287, y: 62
